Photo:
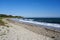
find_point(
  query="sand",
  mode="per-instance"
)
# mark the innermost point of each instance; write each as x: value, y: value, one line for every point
x: 22, y: 31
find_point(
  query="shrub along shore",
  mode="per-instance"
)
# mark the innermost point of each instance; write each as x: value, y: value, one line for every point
x: 7, y: 16
x: 1, y: 22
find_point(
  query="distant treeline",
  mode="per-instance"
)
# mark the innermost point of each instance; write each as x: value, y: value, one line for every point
x: 10, y: 16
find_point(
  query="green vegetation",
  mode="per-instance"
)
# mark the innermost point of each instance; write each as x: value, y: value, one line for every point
x: 7, y: 16
x: 1, y: 22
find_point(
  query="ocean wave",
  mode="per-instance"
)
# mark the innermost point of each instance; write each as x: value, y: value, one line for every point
x: 42, y: 23
x: 51, y: 26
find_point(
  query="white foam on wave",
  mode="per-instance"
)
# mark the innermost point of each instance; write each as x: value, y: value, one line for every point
x: 42, y: 23
x: 51, y: 26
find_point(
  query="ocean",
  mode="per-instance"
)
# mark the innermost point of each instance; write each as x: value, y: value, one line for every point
x: 50, y: 23
x: 46, y: 20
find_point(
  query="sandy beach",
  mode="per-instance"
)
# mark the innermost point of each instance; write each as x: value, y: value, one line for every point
x: 22, y: 31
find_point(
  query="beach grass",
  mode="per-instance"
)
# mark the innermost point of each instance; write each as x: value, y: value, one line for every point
x: 1, y: 22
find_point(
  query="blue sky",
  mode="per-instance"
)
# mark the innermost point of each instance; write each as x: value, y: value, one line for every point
x: 31, y: 8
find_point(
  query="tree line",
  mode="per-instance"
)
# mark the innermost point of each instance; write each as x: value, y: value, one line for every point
x: 10, y: 16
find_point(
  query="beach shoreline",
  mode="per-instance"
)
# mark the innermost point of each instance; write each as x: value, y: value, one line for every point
x: 22, y: 31
x: 39, y: 30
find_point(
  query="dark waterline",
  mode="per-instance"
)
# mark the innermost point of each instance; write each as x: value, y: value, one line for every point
x: 47, y: 20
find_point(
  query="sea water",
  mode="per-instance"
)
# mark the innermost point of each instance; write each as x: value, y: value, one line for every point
x: 51, y: 23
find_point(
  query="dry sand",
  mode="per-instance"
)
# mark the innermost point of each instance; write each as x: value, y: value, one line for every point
x: 21, y: 31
